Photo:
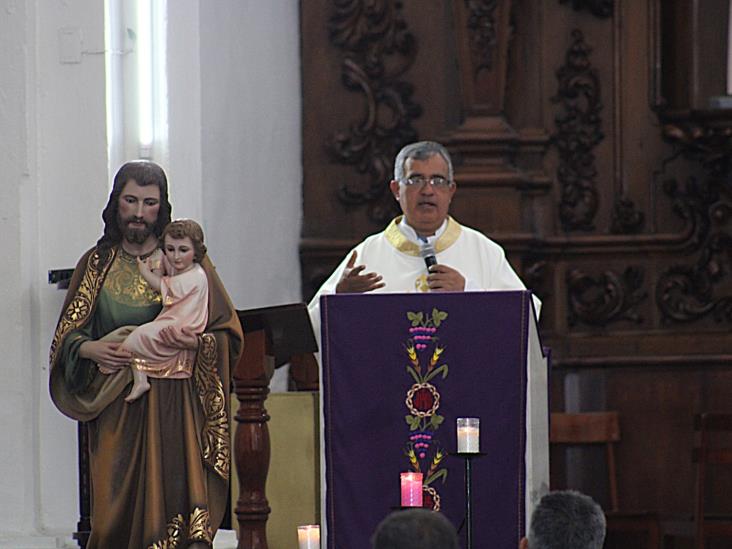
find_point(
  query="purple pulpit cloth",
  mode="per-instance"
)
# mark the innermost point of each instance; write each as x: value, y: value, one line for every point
x: 397, y: 371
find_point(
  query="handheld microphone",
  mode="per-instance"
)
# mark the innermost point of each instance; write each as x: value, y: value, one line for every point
x: 427, y: 252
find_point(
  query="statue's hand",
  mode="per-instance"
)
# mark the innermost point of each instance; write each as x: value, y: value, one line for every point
x: 143, y: 264
x: 105, y: 353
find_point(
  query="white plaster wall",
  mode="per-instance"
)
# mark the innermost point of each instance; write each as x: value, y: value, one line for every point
x: 18, y: 430
x: 72, y: 184
x: 54, y: 171
x: 234, y: 162
x: 184, y: 109
x: 251, y: 147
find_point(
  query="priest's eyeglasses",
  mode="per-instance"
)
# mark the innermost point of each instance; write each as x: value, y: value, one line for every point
x: 419, y: 181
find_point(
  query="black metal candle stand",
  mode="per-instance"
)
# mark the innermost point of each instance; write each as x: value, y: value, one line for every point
x: 468, y: 458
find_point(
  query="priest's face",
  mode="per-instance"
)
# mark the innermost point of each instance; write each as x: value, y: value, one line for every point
x: 138, y: 211
x: 425, y: 205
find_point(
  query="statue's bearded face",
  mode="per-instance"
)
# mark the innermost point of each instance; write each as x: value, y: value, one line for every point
x: 138, y: 211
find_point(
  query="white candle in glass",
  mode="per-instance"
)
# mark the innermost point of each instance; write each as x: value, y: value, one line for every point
x: 308, y: 536
x: 468, y: 435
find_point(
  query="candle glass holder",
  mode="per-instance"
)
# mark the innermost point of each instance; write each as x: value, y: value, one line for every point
x: 468, y: 458
x: 411, y: 489
x: 308, y: 536
x: 468, y: 435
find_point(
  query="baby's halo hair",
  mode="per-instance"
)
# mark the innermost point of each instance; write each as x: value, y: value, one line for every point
x: 181, y: 228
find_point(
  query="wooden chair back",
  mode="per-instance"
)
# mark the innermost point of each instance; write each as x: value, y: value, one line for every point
x: 590, y: 428
x: 709, y: 452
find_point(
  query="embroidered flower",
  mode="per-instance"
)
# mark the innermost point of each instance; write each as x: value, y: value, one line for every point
x: 79, y: 309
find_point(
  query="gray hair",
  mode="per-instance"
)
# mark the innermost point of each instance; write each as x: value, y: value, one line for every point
x: 567, y: 520
x: 415, y: 529
x: 421, y: 150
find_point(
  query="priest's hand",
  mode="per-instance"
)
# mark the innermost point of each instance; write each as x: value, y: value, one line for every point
x: 179, y: 338
x: 105, y: 353
x: 353, y: 282
x: 445, y: 279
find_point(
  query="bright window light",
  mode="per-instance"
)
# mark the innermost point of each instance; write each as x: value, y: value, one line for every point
x: 145, y: 99
x: 137, y: 90
x: 160, y: 76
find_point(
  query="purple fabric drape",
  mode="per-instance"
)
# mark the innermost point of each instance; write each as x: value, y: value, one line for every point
x: 398, y: 369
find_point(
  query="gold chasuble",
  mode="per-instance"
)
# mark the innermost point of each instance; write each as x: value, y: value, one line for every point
x: 159, y: 465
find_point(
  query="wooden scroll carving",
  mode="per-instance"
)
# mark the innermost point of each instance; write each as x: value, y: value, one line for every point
x: 482, y: 34
x: 626, y: 219
x: 598, y: 301
x: 578, y: 132
x: 685, y: 293
x: 377, y: 50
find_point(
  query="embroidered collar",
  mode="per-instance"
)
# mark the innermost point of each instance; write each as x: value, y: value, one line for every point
x: 412, y: 235
x: 402, y: 243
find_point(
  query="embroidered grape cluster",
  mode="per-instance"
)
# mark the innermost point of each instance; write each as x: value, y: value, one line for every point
x: 422, y: 335
x: 421, y: 442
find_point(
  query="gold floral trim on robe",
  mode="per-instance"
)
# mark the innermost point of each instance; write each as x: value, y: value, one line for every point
x: 125, y: 283
x: 82, y: 305
x: 181, y: 533
x: 397, y: 238
x: 215, y: 436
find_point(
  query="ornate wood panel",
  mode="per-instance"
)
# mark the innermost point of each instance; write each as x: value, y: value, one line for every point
x: 615, y: 208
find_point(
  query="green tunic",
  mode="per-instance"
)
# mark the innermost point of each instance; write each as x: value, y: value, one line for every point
x: 125, y: 299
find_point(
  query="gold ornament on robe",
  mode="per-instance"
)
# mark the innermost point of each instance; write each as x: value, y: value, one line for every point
x: 420, y: 284
x: 125, y: 283
x: 79, y: 309
x: 182, y: 532
x: 216, y: 449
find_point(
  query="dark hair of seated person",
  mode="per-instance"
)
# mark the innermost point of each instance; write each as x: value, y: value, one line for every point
x: 415, y: 529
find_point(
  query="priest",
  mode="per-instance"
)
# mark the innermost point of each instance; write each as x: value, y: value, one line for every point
x: 425, y: 249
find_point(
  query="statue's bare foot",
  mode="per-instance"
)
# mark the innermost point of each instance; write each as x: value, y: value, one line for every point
x: 139, y: 388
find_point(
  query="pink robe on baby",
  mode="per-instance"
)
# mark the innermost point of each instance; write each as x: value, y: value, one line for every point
x: 185, y: 304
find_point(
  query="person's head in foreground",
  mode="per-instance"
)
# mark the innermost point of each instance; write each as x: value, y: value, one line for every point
x: 566, y: 520
x: 415, y: 529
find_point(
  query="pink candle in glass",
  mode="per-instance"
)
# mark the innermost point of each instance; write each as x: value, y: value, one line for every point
x: 411, y: 489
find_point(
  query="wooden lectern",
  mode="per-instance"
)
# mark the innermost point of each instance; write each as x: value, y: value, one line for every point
x: 272, y: 336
